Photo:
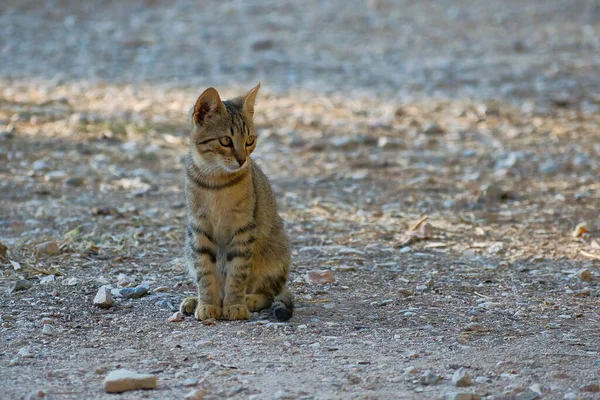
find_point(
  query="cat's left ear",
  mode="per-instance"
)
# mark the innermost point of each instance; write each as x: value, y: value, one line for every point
x: 250, y: 99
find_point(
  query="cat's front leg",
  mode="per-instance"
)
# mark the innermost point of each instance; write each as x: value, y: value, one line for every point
x: 239, y: 255
x: 201, y: 258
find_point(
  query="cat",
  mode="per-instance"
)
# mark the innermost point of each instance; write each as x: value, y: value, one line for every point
x: 236, y: 248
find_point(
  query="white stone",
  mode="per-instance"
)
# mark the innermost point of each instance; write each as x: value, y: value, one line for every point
x: 196, y: 394
x: 122, y: 380
x: 103, y: 298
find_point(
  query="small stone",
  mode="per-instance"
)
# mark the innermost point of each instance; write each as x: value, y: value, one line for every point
x: 283, y: 395
x: 71, y: 281
x: 47, y: 248
x: 208, y: 322
x: 536, y: 388
x: 433, y: 129
x: 461, y: 378
x: 134, y: 293
x: 572, y: 396
x: 48, y: 330
x: 196, y: 394
x: 122, y: 380
x: 429, y: 378
x: 103, y: 298
x: 176, y: 317
x: 22, y: 284
x: 25, y: 353
x: 461, y: 396
x: 320, y: 277
x: 47, y: 279
x: 474, y: 327
x: 390, y: 143
x: 189, y: 382
x: 592, y: 388
x: 36, y: 394
x: 55, y: 176
x: 527, y: 395
x: 14, y: 362
x: 39, y: 165
x: 482, y: 379
x: 585, y: 275
x: 74, y: 181
x: 124, y: 280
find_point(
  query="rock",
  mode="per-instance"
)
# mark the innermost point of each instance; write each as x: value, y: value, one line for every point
x: 55, y: 176
x: 592, y: 388
x: 103, y: 298
x: 536, y: 388
x: 429, y: 378
x: 48, y: 330
x: 390, y: 143
x: 71, y: 281
x: 176, y: 317
x: 474, y: 327
x: 36, y: 394
x: 39, y: 165
x: 527, y: 395
x: 74, y: 181
x: 122, y: 380
x: 283, y: 395
x: 321, y: 277
x: 549, y: 168
x: 134, y: 293
x: 47, y: 279
x: 461, y: 378
x: 209, y: 322
x: 433, y: 129
x: 196, y: 394
x: 47, y: 248
x: 482, y: 379
x: 190, y: 382
x: 461, y: 396
x: 572, y: 396
x: 22, y: 284
x: 124, y: 280
x: 25, y: 353
x: 585, y: 275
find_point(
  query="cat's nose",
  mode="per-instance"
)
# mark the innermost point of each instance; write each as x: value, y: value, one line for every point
x: 241, y: 160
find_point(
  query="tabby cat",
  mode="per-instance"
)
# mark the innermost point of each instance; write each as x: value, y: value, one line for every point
x: 236, y: 248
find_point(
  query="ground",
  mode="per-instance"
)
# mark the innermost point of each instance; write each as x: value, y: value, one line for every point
x: 480, y: 116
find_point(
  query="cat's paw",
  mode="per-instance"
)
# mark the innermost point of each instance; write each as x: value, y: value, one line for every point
x: 256, y: 302
x: 188, y: 305
x: 235, y: 312
x: 207, y: 311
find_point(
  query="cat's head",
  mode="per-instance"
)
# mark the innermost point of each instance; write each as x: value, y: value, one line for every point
x: 222, y: 132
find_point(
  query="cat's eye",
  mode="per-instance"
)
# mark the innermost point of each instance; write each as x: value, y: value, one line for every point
x: 225, y: 141
x: 250, y: 141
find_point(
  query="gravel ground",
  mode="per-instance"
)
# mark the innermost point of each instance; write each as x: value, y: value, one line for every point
x: 436, y: 164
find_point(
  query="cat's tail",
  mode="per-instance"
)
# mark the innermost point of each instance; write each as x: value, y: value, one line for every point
x: 283, y: 305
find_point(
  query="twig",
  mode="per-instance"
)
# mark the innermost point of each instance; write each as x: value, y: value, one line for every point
x: 590, y: 255
x: 418, y: 223
x: 482, y: 295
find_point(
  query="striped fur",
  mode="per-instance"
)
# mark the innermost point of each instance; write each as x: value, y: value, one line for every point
x: 236, y: 248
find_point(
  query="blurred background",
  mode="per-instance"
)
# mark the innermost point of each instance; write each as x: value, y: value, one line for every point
x: 421, y: 151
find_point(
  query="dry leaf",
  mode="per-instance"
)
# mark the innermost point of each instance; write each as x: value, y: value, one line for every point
x: 320, y: 277
x: 579, y: 230
x: 3, y: 250
x: 15, y: 265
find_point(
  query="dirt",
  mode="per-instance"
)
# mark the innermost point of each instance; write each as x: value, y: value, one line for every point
x: 436, y: 157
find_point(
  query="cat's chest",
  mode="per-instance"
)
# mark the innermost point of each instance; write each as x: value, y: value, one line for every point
x: 226, y: 212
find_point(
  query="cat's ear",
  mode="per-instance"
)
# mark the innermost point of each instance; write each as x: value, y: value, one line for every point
x: 209, y: 102
x: 250, y: 99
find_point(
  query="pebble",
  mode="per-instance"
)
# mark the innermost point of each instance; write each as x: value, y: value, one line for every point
x: 283, y: 395
x: 585, y: 275
x: 74, y: 181
x: 47, y: 279
x: 461, y: 378
x: 134, y: 293
x: 572, y: 396
x: 22, y: 284
x: 592, y: 388
x: 25, y: 353
x: 474, y: 327
x: 48, y: 330
x: 103, y: 298
x: 55, y: 176
x: 176, y: 317
x: 429, y: 378
x: 36, y: 394
x: 390, y: 143
x: 124, y: 280
x: 527, y: 395
x: 71, y: 281
x: 190, y: 382
x: 433, y: 129
x: 47, y: 248
x: 122, y: 380
x: 461, y: 396
x: 482, y: 379
x: 196, y: 394
x: 320, y: 277
x: 39, y: 165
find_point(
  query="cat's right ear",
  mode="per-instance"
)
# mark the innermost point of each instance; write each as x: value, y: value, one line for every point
x: 208, y: 103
